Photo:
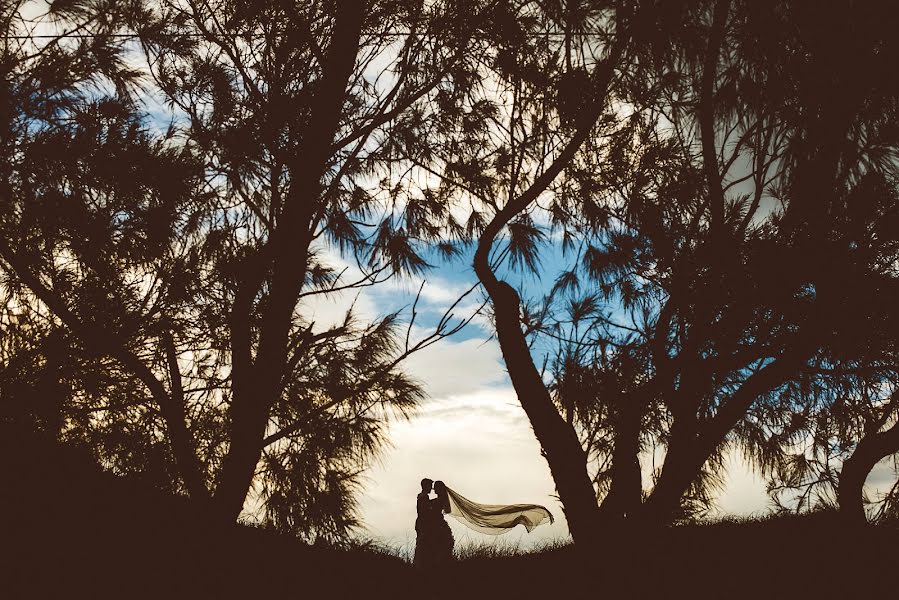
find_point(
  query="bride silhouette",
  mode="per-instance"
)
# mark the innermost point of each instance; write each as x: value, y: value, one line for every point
x: 434, y: 540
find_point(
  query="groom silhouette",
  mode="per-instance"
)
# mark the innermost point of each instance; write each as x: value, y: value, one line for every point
x: 422, y: 503
x: 421, y: 521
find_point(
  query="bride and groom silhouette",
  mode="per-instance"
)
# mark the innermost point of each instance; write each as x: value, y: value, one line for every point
x: 434, y: 540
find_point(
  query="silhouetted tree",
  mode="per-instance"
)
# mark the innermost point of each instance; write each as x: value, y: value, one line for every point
x: 721, y: 174
x: 292, y: 107
x: 840, y: 183
x: 90, y: 199
x: 182, y: 257
x: 681, y: 210
x: 725, y: 288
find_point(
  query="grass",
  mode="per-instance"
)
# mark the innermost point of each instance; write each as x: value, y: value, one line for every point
x: 500, y: 548
x: 67, y: 531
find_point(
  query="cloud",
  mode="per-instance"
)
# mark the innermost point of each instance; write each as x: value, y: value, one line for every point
x: 881, y: 478
x: 454, y: 368
x: 438, y: 290
x: 328, y: 310
x: 398, y: 293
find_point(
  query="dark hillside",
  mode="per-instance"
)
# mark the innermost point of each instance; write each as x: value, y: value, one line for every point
x: 785, y: 557
x: 70, y: 530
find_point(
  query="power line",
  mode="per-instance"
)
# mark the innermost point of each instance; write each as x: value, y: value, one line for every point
x: 74, y: 36
x: 87, y: 36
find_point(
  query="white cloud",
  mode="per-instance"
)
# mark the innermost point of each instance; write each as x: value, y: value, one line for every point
x: 328, y: 310
x: 881, y: 479
x: 453, y: 368
x: 437, y: 293
x: 437, y: 290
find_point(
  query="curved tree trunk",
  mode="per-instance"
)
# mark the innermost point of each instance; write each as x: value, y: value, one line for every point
x: 850, y: 490
x: 678, y: 472
x: 561, y: 446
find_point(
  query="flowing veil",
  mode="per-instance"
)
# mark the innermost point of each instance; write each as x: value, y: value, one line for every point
x: 495, y: 519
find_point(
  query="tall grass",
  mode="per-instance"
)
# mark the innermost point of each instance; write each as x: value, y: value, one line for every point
x: 502, y: 548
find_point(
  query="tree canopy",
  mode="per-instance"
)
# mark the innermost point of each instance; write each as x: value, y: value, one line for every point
x: 181, y: 179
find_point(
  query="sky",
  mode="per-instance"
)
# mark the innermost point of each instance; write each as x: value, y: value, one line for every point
x: 470, y: 432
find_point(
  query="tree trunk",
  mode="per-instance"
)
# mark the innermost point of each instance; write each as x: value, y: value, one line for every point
x: 175, y: 416
x: 561, y: 447
x: 850, y: 490
x: 678, y: 472
x: 257, y: 382
x: 626, y: 492
x: 693, y: 442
